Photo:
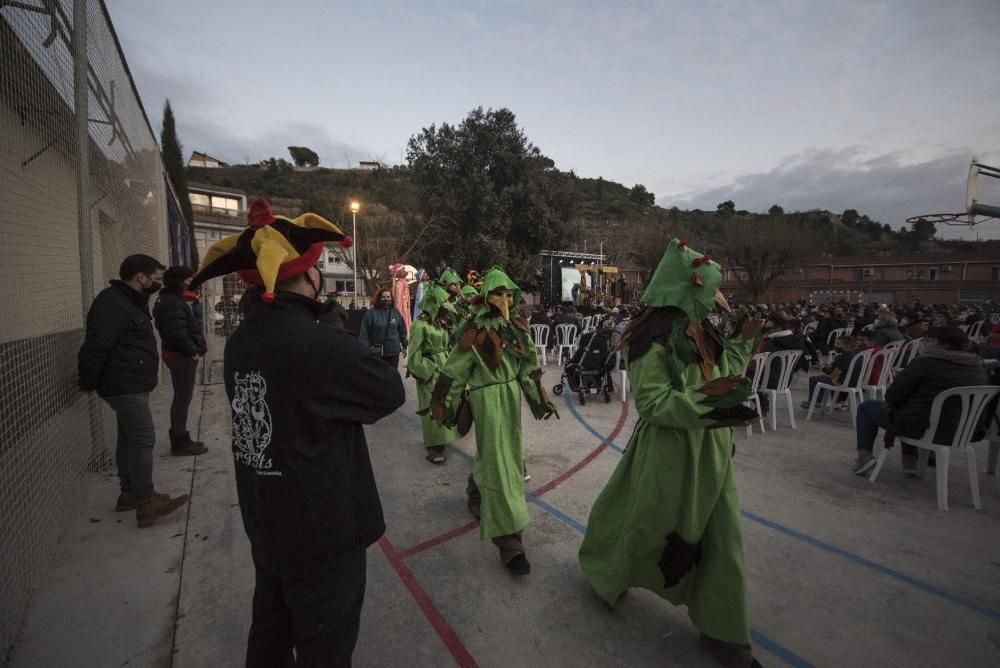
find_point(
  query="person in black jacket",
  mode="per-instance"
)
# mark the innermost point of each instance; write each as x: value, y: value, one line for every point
x: 118, y: 358
x: 183, y: 345
x: 785, y: 337
x: 383, y: 330
x: 944, y: 363
x: 301, y: 388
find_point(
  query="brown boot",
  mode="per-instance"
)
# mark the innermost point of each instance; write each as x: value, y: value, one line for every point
x: 127, y: 502
x: 157, y: 507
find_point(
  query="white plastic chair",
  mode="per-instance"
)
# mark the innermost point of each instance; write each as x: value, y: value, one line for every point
x: 851, y: 388
x: 868, y: 328
x: 787, y: 359
x: 567, y: 336
x: 540, y: 337
x: 623, y: 375
x: 810, y: 328
x: 759, y: 362
x: 907, y: 353
x: 993, y: 461
x: 831, y: 339
x: 885, y: 373
x: 974, y: 399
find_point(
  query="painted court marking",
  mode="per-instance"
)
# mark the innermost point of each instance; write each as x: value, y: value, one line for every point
x: 840, y: 552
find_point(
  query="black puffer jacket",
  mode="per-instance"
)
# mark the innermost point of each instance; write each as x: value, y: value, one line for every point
x: 300, y: 390
x: 913, y: 391
x: 118, y: 355
x: 789, y: 341
x: 180, y: 331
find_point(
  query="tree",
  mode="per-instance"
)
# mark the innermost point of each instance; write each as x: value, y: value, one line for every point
x: 173, y: 163
x: 486, y: 193
x: 641, y: 196
x: 923, y: 230
x: 850, y: 217
x: 776, y: 211
x: 303, y: 157
x: 760, y: 253
x: 726, y: 209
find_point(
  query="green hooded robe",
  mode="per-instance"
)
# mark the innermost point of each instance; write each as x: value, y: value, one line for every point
x: 669, y: 518
x: 495, y: 362
x: 430, y: 343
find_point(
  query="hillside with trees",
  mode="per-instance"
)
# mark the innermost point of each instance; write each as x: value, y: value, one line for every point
x: 480, y: 193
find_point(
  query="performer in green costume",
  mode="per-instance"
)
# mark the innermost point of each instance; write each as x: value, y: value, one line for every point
x: 669, y: 518
x: 452, y: 283
x: 428, y: 351
x: 496, y: 361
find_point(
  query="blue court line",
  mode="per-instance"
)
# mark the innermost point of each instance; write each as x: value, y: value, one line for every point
x: 850, y: 556
x: 756, y: 636
x: 875, y: 566
x: 759, y: 638
x: 579, y: 418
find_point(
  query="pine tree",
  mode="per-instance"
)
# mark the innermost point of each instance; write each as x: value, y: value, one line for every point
x: 173, y: 162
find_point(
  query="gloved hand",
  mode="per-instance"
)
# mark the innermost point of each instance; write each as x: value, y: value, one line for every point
x: 720, y: 386
x: 750, y: 329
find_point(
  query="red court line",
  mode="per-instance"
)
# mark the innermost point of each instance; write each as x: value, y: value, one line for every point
x: 434, y: 542
x: 433, y: 615
x: 589, y: 458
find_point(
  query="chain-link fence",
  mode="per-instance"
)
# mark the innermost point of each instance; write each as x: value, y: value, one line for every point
x: 56, y: 255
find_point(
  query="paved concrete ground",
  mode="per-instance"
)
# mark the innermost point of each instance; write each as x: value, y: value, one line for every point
x: 841, y: 571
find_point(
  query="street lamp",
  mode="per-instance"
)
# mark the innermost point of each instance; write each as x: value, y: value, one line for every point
x: 355, y: 207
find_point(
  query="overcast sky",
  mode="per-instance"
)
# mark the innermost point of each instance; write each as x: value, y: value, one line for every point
x: 877, y: 106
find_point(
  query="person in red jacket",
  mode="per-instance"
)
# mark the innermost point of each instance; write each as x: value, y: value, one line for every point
x: 867, y: 342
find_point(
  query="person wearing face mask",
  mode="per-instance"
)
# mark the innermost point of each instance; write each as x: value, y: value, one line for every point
x: 383, y: 330
x: 491, y: 367
x: 301, y: 388
x: 118, y: 358
x: 183, y: 344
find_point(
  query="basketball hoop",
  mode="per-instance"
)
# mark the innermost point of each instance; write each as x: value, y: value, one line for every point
x: 975, y: 211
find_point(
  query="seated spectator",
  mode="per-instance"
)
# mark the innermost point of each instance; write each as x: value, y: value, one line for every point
x: 944, y: 363
x: 783, y: 337
x: 887, y: 328
x: 846, y: 347
x: 975, y: 315
x: 567, y: 316
x: 866, y: 341
x: 914, y: 327
x: 827, y: 323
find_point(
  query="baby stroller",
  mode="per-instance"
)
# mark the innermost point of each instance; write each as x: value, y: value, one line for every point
x: 588, y: 371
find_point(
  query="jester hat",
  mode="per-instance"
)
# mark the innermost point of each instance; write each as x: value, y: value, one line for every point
x: 685, y: 279
x: 271, y: 249
x: 435, y: 298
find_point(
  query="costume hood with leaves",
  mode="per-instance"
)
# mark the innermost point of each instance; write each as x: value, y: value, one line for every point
x: 435, y: 304
x: 272, y: 248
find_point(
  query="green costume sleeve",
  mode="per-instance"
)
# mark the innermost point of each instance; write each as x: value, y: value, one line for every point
x: 451, y: 384
x: 530, y: 378
x: 419, y: 365
x: 736, y: 354
x: 662, y: 402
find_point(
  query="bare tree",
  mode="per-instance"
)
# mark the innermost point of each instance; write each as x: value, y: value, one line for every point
x: 758, y: 252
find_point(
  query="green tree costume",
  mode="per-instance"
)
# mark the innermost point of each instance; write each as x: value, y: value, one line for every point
x: 430, y: 343
x: 449, y: 278
x: 493, y: 364
x: 669, y: 518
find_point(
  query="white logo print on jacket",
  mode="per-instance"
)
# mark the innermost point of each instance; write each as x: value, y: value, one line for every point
x: 252, y: 422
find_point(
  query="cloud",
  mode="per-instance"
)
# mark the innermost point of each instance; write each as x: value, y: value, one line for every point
x: 884, y: 187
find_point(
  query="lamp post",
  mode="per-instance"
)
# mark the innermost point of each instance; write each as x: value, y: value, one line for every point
x: 355, y: 207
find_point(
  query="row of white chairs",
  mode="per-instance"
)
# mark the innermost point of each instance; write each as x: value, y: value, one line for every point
x: 567, y: 341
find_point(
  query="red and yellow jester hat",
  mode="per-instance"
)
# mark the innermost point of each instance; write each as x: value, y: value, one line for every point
x: 271, y: 249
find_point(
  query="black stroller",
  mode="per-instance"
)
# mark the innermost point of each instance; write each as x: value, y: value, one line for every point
x: 588, y: 371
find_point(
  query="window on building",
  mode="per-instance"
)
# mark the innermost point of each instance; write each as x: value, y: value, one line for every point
x: 859, y: 274
x: 226, y: 205
x: 996, y: 273
x: 345, y: 286
x: 932, y: 274
x: 910, y: 274
x: 197, y: 199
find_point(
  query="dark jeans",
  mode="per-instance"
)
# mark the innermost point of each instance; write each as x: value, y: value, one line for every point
x: 182, y: 375
x: 871, y: 416
x: 317, y: 616
x: 136, y: 437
